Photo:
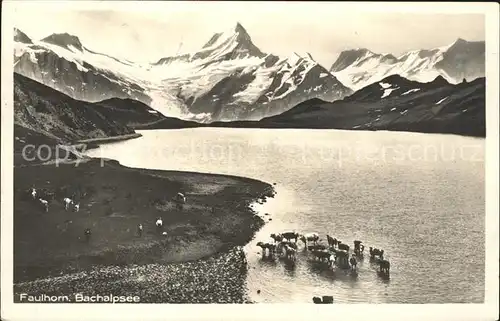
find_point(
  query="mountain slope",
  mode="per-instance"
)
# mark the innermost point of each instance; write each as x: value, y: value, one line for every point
x: 228, y: 78
x: 58, y: 117
x: 462, y: 59
x: 127, y: 111
x: 436, y: 107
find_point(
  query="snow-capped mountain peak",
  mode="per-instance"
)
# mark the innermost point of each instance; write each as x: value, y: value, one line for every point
x: 64, y: 40
x: 233, y: 43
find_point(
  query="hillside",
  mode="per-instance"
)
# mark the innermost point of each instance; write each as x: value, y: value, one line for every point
x: 49, y: 113
x: 395, y: 103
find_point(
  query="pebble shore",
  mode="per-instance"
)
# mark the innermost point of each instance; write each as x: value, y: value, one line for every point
x: 219, y: 279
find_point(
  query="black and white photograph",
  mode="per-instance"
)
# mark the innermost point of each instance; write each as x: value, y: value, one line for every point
x: 191, y: 152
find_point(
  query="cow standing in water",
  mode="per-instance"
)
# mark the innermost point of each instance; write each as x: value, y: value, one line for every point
x: 376, y: 252
x: 277, y: 237
x: 343, y: 247
x: 290, y: 252
x: 290, y: 235
x: 384, y: 266
x: 332, y: 242
x: 358, y: 250
x: 353, y: 263
x: 310, y: 237
x: 139, y: 230
x: 270, y: 247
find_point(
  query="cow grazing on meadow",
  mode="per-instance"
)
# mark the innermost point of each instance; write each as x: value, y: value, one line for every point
x: 67, y: 202
x: 44, y: 203
x: 33, y: 193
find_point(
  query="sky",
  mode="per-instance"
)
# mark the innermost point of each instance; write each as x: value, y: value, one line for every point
x: 149, y: 31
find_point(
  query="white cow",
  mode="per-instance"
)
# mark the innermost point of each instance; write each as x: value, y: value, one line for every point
x: 77, y: 207
x: 45, y: 204
x: 181, y: 198
x: 67, y: 203
x: 33, y: 193
x: 159, y: 222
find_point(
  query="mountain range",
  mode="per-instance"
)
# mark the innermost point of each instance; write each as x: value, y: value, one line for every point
x: 230, y: 82
x: 462, y: 59
x: 229, y: 78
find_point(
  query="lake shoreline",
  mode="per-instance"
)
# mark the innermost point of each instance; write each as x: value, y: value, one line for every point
x: 107, y: 140
x: 403, y: 128
x: 114, y: 199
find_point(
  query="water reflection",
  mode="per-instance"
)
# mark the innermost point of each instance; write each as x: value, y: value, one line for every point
x: 383, y: 277
x: 268, y: 261
x: 290, y: 267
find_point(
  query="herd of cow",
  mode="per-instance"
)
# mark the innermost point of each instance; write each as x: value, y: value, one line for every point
x: 334, y: 253
x: 43, y: 200
x: 42, y: 197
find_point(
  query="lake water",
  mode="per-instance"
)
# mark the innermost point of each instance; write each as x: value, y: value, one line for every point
x: 420, y: 197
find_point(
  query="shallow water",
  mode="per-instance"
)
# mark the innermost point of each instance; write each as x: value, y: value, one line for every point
x: 420, y: 197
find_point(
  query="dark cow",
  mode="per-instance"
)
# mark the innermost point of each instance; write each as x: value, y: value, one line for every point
x: 332, y: 242
x: 343, y: 247
x: 384, y: 266
x: 290, y: 236
x: 353, y: 263
x: 316, y: 247
x: 376, y: 252
x: 342, y: 259
x: 271, y: 248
